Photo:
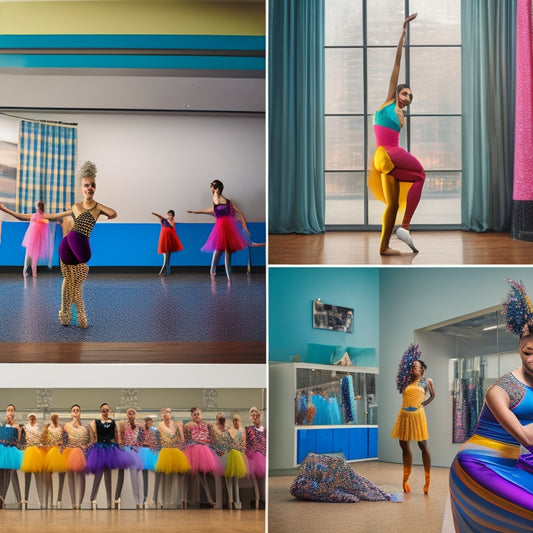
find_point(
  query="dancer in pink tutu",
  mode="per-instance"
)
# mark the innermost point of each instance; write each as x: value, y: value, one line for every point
x: 76, y: 437
x: 169, y: 241
x: 256, y: 452
x: 226, y: 237
x: 198, y: 449
x: 37, y: 240
x: 105, y: 453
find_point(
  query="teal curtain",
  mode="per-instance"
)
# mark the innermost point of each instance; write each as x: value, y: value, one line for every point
x: 488, y: 75
x: 47, y: 166
x: 296, y: 116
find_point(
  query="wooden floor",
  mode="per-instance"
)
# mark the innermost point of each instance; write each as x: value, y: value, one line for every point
x: 197, y: 521
x: 120, y: 353
x: 435, y: 248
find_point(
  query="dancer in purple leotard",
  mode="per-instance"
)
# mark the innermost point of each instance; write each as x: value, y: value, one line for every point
x: 226, y: 236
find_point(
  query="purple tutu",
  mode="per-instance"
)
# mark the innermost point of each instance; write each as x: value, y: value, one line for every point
x: 137, y: 463
x: 108, y: 456
x: 256, y: 464
x: 203, y: 459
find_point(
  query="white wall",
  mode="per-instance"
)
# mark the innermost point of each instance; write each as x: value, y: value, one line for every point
x: 156, y: 162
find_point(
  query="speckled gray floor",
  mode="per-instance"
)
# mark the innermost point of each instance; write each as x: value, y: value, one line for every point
x: 137, y: 307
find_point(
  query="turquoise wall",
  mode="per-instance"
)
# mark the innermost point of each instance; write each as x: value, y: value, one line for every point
x: 291, y: 293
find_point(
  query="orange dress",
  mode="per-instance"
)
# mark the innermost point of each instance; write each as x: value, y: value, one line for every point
x: 411, y: 423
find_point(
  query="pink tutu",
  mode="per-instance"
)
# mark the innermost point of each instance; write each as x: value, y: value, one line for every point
x: 76, y: 461
x: 256, y: 464
x: 168, y: 241
x: 203, y: 459
x: 226, y: 235
x: 37, y: 239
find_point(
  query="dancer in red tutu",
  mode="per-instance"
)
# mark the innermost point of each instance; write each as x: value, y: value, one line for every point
x: 226, y: 237
x: 168, y: 240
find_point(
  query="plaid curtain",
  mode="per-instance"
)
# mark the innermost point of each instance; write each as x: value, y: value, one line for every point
x: 47, y: 166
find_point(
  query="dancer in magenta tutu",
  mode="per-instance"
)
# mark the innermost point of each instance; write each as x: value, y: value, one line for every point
x: 169, y: 241
x: 226, y: 237
x: 76, y: 437
x: 199, y: 440
x: 105, y: 453
x: 37, y: 239
x: 256, y: 454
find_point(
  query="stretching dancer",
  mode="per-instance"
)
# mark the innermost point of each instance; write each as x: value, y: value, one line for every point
x: 168, y: 240
x: 256, y: 453
x: 36, y: 239
x: 411, y: 423
x: 130, y: 436
x: 392, y: 164
x: 226, y: 237
x: 33, y: 460
x: 76, y: 441
x: 171, y: 459
x: 105, y: 453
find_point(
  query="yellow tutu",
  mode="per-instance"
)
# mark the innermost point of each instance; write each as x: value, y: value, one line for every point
x: 172, y: 461
x: 33, y: 460
x: 54, y: 461
x: 237, y: 464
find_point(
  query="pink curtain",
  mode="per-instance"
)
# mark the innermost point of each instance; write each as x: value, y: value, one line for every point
x: 523, y: 152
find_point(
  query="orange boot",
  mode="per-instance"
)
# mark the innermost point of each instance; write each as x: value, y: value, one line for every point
x: 406, y: 474
x: 426, y: 485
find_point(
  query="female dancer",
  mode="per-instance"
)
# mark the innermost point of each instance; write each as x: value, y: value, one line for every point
x: 33, y: 460
x: 54, y: 461
x: 105, y: 453
x: 256, y: 454
x: 148, y: 451
x: 411, y: 423
x: 392, y: 164
x: 203, y: 460
x: 226, y: 236
x: 10, y: 455
x: 237, y: 464
x: 76, y: 441
x: 130, y: 436
x: 36, y: 239
x: 171, y: 459
x: 491, y: 484
x: 168, y: 240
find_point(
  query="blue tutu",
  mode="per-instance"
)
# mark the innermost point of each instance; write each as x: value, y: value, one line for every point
x: 10, y: 457
x: 148, y: 458
x: 137, y: 463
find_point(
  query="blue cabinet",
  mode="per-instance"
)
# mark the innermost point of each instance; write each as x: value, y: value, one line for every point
x: 355, y: 442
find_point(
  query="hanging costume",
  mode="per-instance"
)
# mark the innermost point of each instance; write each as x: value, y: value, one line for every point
x: 322, y: 478
x: 396, y: 177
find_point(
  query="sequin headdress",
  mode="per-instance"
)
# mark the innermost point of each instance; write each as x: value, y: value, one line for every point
x: 410, y: 355
x: 518, y: 310
x: 88, y: 170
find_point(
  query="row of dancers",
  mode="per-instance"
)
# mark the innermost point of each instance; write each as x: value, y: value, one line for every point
x: 78, y: 222
x: 181, y: 456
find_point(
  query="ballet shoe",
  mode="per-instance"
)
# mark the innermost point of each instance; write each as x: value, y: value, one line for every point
x: 82, y: 320
x: 65, y: 316
x: 406, y: 487
x: 406, y: 474
x: 138, y: 506
x: 93, y: 505
x: 58, y: 504
x: 389, y: 251
x: 426, y: 485
x: 405, y: 236
x: 238, y: 505
x: 117, y: 504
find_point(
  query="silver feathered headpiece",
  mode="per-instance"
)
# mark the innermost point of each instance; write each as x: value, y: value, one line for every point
x: 88, y: 170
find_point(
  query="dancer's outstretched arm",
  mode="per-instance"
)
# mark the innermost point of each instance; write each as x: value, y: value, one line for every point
x: 19, y: 216
x: 393, y: 84
x: 208, y: 211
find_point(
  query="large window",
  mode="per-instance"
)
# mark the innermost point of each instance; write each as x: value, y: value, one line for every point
x: 361, y: 40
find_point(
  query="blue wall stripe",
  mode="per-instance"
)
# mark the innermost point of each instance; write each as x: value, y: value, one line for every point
x: 158, y: 42
x: 134, y: 245
x: 131, y: 61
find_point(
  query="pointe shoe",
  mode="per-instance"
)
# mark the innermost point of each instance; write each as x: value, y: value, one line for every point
x: 138, y: 506
x: 117, y: 504
x: 65, y: 316
x: 93, y: 505
x: 238, y: 505
x: 82, y: 320
x: 405, y: 236
x: 58, y: 504
x: 426, y: 485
